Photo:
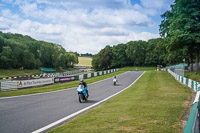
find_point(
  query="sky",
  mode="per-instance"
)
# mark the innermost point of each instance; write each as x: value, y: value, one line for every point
x: 84, y: 26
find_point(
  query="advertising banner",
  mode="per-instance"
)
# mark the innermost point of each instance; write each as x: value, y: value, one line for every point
x: 57, y: 80
x: 66, y: 79
x: 8, y: 85
x: 34, y: 82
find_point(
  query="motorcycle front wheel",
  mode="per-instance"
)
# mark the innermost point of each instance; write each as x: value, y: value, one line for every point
x: 80, y: 98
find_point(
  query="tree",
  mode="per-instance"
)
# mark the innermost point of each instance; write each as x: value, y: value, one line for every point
x: 181, y: 28
x: 6, y: 57
x: 17, y: 50
x: 119, y: 58
x: 136, y: 52
x: 103, y: 59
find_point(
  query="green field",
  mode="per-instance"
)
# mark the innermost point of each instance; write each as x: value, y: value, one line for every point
x: 155, y: 103
x: 17, y: 72
x: 85, y: 61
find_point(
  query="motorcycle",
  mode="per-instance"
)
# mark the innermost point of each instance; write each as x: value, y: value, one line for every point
x: 82, y: 93
x: 114, y: 81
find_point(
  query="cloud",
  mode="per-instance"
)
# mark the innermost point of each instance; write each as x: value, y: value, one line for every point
x: 76, y: 38
x: 7, y: 1
x: 3, y: 24
x: 85, y: 26
x: 85, y: 17
x: 158, y: 4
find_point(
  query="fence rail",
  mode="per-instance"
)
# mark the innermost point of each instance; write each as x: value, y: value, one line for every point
x: 192, y: 125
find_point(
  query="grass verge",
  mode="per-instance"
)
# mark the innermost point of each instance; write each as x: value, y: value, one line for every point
x: 192, y: 75
x: 155, y: 103
x: 16, y: 72
x: 57, y: 86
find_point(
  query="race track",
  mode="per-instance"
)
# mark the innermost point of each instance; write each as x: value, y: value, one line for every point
x: 26, y: 114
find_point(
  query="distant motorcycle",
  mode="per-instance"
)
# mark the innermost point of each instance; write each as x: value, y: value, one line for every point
x: 114, y: 81
x: 82, y: 93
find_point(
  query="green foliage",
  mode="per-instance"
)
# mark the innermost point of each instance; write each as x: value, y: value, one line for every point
x: 180, y: 28
x: 119, y: 57
x: 192, y: 75
x: 17, y: 50
x: 134, y: 53
x: 103, y: 59
x: 85, y: 55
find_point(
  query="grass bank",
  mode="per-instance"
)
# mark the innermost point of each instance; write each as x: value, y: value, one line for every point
x: 154, y: 103
x: 192, y: 75
x: 57, y: 86
x: 17, y: 72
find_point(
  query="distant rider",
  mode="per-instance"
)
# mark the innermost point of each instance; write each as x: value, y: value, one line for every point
x: 115, y: 79
x: 82, y: 82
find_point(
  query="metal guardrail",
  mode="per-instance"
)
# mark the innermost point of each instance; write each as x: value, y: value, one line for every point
x: 193, y: 122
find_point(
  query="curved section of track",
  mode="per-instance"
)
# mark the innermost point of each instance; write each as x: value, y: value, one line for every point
x: 29, y: 113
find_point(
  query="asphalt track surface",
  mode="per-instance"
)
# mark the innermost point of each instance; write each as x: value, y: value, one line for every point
x: 26, y: 114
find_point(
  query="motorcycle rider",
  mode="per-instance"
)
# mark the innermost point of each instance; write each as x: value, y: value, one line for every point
x: 82, y: 82
x: 115, y: 79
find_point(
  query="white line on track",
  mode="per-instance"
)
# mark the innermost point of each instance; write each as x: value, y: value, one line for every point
x: 1, y: 98
x: 80, y: 111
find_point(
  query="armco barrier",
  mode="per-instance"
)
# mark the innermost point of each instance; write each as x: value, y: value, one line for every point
x: 192, y: 125
x: 94, y: 74
x: 8, y: 85
x: 13, y: 85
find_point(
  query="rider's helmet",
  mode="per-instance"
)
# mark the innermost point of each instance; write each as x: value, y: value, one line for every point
x: 81, y: 80
x: 115, y: 77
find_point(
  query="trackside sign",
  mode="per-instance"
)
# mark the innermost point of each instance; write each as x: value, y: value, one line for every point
x: 35, y: 82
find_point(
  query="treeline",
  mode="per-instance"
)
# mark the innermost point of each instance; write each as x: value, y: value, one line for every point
x: 86, y: 55
x: 179, y: 42
x: 18, y: 51
x: 134, y: 53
